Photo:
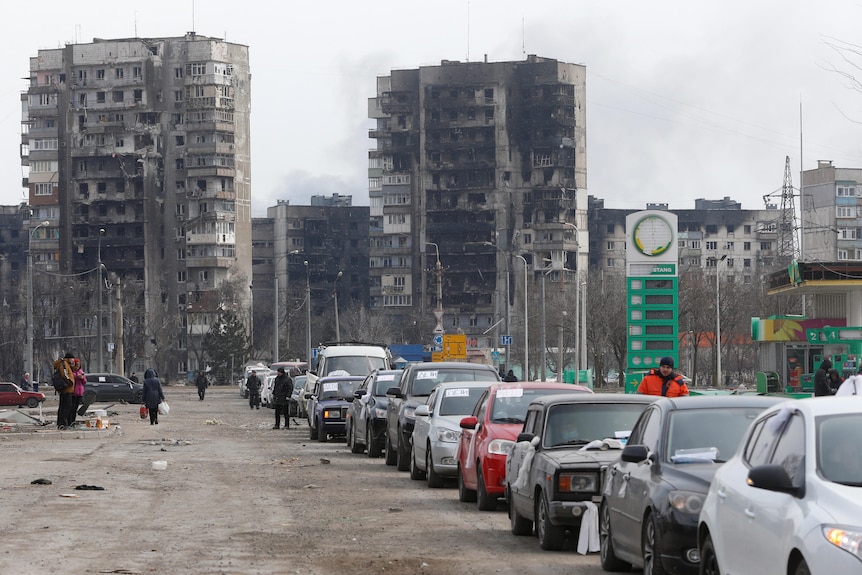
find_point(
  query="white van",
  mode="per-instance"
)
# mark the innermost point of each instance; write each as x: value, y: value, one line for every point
x: 348, y: 358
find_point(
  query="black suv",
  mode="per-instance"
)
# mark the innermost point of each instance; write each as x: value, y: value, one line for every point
x: 415, y: 386
x: 112, y: 387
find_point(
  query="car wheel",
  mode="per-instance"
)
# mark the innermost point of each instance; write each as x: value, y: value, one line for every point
x: 89, y: 397
x: 321, y: 435
x: 520, y: 524
x: 351, y: 441
x: 434, y: 479
x: 550, y: 536
x: 708, y: 560
x: 372, y: 447
x: 465, y: 495
x: 32, y: 402
x: 391, y: 456
x: 802, y: 568
x: 651, y: 548
x: 484, y: 501
x: 415, y: 472
x: 138, y: 397
x: 402, y: 451
x: 312, y: 431
x: 610, y: 561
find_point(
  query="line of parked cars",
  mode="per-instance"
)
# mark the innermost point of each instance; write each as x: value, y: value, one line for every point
x: 712, y: 485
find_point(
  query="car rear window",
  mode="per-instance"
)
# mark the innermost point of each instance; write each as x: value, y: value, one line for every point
x: 580, y: 423
x: 354, y: 364
x: 698, y: 435
x: 510, y: 404
x: 384, y: 381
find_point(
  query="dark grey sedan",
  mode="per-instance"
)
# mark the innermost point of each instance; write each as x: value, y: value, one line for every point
x: 111, y: 387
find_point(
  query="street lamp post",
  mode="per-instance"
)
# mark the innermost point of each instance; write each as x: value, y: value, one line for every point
x: 718, y: 323
x: 543, y: 354
x: 526, y: 373
x: 508, y: 356
x: 438, y: 313
x: 100, y: 355
x: 30, y: 329
x: 335, y: 296
x: 308, y: 316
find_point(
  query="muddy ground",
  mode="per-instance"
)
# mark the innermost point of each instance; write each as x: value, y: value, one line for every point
x: 237, y: 497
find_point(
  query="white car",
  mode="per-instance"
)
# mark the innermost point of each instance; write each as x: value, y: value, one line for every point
x: 790, y: 500
x: 266, y: 390
x: 437, y: 429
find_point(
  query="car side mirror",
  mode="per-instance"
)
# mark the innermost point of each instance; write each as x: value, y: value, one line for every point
x: 635, y: 453
x: 349, y: 399
x: 359, y: 393
x: 772, y: 477
x: 422, y: 410
x: 525, y: 436
x: 395, y: 392
x: 469, y: 423
x: 307, y: 396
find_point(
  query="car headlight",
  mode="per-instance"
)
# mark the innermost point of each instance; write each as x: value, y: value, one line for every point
x: 410, y: 412
x: 379, y: 413
x: 849, y: 540
x: 501, y: 446
x: 448, y: 435
x: 578, y: 482
x: 686, y: 501
x: 331, y: 414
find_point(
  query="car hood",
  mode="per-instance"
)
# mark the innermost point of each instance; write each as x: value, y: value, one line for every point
x: 690, y: 476
x: 447, y: 421
x: 576, y: 456
x: 330, y: 403
x: 508, y: 431
x: 840, y: 504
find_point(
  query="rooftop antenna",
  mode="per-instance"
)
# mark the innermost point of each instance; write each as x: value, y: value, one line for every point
x: 136, y: 23
x: 193, y: 14
x: 468, y: 30
x: 523, y: 38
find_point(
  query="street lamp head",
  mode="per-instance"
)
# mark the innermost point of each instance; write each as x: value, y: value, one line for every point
x: 339, y: 275
x: 305, y: 263
x: 102, y: 230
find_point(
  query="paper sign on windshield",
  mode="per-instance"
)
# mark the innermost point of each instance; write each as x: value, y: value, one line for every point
x: 426, y: 374
x: 330, y: 386
x: 459, y: 392
x: 388, y: 377
x: 515, y: 392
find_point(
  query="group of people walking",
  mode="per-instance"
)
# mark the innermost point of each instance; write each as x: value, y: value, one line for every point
x: 282, y: 389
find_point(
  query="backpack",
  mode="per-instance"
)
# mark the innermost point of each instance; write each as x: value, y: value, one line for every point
x: 58, y: 381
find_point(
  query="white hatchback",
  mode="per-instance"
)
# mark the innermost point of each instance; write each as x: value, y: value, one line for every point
x: 790, y: 500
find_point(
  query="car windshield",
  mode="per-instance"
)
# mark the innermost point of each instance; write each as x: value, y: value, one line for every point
x: 427, y: 379
x: 354, y: 364
x: 384, y: 381
x: 338, y: 389
x: 839, y: 450
x: 459, y: 400
x: 707, y: 435
x: 510, y: 404
x: 581, y: 423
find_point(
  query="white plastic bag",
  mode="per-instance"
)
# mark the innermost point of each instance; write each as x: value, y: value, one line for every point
x: 164, y: 408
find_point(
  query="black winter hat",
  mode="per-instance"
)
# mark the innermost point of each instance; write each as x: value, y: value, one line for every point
x: 666, y: 360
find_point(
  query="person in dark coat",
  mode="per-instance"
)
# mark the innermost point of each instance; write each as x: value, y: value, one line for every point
x: 202, y: 383
x: 153, y: 394
x: 282, y: 389
x: 510, y: 376
x: 66, y: 410
x: 835, y: 380
x: 253, y: 385
x: 821, y: 379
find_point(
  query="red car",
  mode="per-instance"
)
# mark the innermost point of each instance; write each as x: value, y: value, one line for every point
x: 488, y: 435
x: 11, y: 394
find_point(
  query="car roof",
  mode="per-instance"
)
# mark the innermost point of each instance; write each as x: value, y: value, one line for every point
x: 451, y: 365
x: 816, y: 406
x: 552, y: 385
x: 342, y: 378
x: 594, y: 398
x: 470, y: 383
x: 359, y: 350
x: 718, y: 401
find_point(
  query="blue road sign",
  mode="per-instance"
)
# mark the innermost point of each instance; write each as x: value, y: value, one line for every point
x: 438, y: 339
x: 505, y: 340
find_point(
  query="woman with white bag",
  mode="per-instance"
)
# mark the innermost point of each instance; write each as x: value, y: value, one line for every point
x: 153, y: 395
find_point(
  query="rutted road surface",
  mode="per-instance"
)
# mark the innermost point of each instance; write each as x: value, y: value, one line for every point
x: 237, y: 497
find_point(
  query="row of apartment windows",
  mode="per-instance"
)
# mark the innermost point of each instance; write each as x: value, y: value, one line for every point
x: 390, y: 262
x: 712, y: 245
x: 846, y: 212
x: 848, y: 191
x: 117, y: 96
x: 101, y: 74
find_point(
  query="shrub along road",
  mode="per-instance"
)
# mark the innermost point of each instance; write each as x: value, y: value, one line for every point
x: 237, y: 497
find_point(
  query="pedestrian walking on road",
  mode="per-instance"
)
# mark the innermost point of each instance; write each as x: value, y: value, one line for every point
x: 252, y: 384
x: 153, y: 394
x: 281, y: 392
x: 821, y: 379
x: 202, y: 384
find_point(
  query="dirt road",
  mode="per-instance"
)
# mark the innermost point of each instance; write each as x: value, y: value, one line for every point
x: 237, y: 497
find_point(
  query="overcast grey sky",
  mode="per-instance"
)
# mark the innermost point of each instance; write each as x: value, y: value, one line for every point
x: 685, y: 99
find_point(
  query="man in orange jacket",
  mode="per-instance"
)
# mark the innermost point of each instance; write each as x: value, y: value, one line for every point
x: 663, y: 381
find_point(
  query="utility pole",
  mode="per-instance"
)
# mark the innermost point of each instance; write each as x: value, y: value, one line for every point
x: 438, y: 312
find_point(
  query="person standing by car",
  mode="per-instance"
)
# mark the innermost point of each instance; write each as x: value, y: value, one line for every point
x: 153, y: 394
x: 25, y: 382
x: 67, y: 406
x: 663, y: 381
x: 202, y: 384
x: 134, y: 378
x: 510, y: 376
x: 281, y: 390
x: 252, y: 384
x: 821, y: 379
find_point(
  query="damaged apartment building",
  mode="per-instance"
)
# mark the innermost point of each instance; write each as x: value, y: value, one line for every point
x: 479, y: 167
x: 138, y: 158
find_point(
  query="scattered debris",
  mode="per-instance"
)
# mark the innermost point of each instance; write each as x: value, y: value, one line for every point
x: 214, y: 422
x: 41, y: 481
x: 324, y: 461
x: 68, y: 495
x: 395, y: 509
x: 89, y: 488
x: 311, y: 486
